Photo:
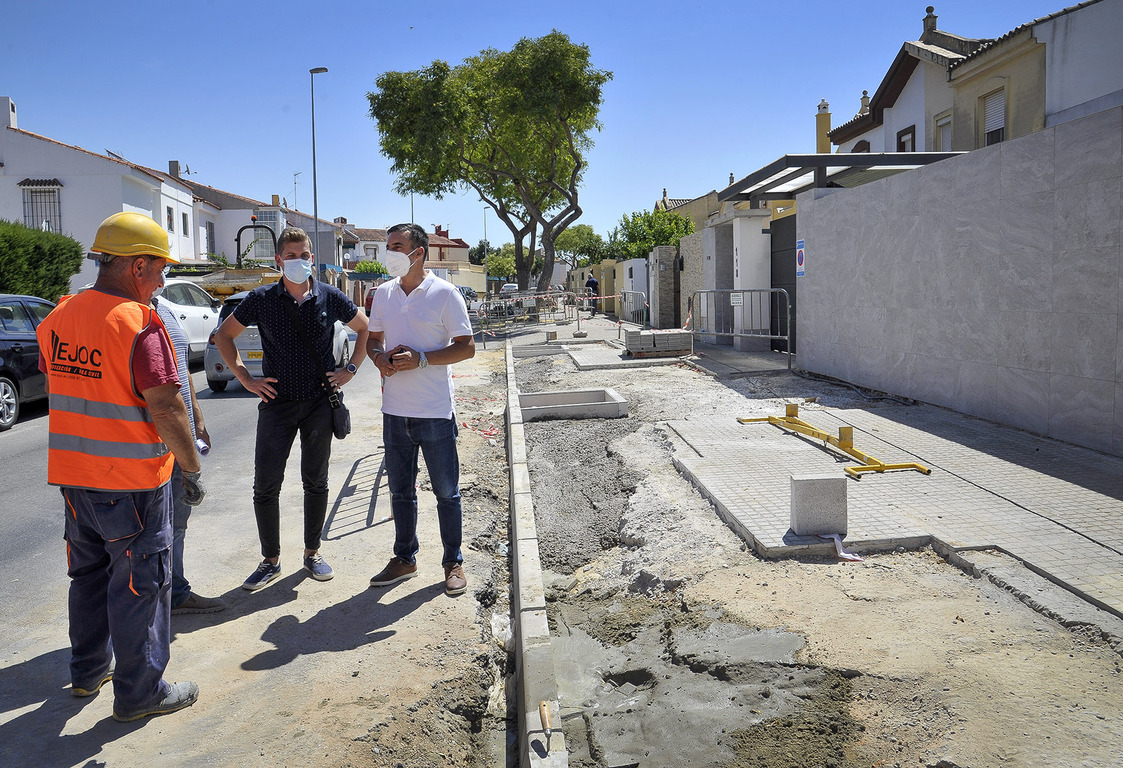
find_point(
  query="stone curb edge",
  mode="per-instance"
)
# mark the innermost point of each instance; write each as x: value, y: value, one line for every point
x: 534, y: 672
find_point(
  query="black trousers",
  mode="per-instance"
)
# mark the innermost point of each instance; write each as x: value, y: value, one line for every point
x: 278, y: 423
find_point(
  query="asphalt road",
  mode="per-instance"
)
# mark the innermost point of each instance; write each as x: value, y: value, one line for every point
x: 32, y: 551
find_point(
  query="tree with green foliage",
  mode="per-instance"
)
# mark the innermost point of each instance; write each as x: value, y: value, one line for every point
x: 514, y: 126
x: 638, y: 234
x: 579, y: 246
x: 370, y: 267
x: 37, y: 263
x: 476, y: 254
x: 502, y: 262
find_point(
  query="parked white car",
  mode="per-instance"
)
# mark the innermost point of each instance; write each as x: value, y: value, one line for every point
x: 249, y: 348
x: 196, y: 310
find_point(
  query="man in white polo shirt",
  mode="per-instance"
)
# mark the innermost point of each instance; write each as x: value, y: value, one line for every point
x: 419, y: 327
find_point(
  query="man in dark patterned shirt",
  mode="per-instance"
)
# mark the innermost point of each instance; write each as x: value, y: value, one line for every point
x: 292, y: 392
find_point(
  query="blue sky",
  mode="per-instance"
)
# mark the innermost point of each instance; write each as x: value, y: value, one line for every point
x: 699, y: 90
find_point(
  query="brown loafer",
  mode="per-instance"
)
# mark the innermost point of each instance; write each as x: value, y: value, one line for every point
x: 455, y: 583
x: 396, y: 570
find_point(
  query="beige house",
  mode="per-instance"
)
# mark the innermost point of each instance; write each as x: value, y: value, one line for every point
x: 947, y: 93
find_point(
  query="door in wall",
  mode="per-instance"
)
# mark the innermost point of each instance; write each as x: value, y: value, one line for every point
x: 783, y: 275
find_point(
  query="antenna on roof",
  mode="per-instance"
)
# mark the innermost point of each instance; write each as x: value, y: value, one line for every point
x: 113, y: 154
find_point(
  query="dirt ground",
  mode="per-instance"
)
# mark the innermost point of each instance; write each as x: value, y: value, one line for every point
x: 674, y: 645
x: 677, y: 647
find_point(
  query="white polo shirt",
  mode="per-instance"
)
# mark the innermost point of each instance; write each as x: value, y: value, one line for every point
x: 426, y: 320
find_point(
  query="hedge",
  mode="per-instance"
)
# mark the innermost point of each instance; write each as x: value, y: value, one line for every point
x: 37, y: 263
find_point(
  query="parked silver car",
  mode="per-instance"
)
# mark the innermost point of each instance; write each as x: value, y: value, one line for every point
x: 195, y: 309
x: 249, y: 348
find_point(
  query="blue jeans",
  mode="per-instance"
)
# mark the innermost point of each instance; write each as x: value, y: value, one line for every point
x: 118, y: 547
x: 278, y: 423
x: 181, y: 511
x: 402, y: 437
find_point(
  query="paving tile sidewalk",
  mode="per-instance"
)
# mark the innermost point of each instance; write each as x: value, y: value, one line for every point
x: 1056, y: 507
x: 1049, y: 504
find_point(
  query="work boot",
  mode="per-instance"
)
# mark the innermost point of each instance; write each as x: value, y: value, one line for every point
x: 89, y: 689
x: 181, y: 695
x: 198, y: 604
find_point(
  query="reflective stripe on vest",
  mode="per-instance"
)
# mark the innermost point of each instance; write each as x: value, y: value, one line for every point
x: 101, y: 433
x: 99, y: 410
x: 106, y: 448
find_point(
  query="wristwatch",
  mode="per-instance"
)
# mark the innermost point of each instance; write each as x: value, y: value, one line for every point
x: 423, y: 361
x: 352, y: 368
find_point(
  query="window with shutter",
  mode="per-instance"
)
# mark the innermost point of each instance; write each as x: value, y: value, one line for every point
x: 943, y: 134
x: 994, y: 118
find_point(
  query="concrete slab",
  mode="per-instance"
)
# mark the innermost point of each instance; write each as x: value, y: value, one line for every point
x: 1053, y: 506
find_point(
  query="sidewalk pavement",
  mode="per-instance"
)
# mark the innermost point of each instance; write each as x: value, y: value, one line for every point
x: 1055, y: 507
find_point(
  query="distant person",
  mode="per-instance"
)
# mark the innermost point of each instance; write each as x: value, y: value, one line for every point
x: 419, y: 327
x: 292, y: 392
x: 592, y: 288
x: 117, y: 420
x: 183, y: 599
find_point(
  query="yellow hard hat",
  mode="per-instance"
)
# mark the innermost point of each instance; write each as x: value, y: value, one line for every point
x: 132, y: 234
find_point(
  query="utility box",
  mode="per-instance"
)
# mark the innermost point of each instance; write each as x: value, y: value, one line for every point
x: 818, y: 504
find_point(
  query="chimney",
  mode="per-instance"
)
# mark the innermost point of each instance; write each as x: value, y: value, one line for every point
x: 929, y: 21
x: 276, y: 201
x: 9, y: 108
x: 822, y: 128
x: 340, y: 220
x: 865, y: 108
x: 731, y: 178
x: 173, y: 168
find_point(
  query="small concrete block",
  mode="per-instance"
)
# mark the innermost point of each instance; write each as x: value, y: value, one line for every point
x: 818, y: 504
x: 551, y: 335
x: 573, y: 404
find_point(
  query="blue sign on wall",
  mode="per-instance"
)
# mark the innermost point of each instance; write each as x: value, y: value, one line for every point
x: 800, y: 258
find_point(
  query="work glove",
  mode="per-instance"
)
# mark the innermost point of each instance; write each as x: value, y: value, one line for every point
x: 193, y: 491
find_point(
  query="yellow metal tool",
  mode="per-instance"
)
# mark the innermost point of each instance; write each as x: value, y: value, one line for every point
x: 844, y: 442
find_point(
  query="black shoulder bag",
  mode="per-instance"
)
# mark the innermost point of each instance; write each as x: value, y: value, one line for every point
x: 340, y: 416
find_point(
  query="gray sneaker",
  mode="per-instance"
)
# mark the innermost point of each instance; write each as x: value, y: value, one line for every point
x: 180, y: 696
x: 264, y: 574
x: 319, y: 569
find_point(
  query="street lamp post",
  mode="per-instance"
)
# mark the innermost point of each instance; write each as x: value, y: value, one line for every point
x: 487, y: 247
x: 315, y: 200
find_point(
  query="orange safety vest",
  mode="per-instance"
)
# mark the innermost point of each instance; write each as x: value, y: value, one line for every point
x: 101, y: 434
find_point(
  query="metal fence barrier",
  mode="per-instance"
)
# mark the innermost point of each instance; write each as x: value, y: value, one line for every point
x: 748, y: 314
x: 499, y: 315
x: 633, y: 308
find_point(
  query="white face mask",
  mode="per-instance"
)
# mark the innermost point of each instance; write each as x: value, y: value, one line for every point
x: 398, y: 263
x: 297, y: 270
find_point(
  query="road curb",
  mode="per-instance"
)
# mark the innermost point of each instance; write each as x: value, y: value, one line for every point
x: 534, y: 673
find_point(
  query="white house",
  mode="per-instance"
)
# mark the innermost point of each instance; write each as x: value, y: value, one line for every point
x: 51, y: 185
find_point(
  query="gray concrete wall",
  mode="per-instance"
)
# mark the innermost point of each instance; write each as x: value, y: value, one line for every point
x: 661, y: 283
x: 990, y: 283
x: 692, y: 276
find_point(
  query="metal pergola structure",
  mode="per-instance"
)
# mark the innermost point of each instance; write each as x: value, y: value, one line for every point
x: 785, y: 178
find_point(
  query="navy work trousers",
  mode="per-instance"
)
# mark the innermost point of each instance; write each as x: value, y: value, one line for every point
x: 119, y: 563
